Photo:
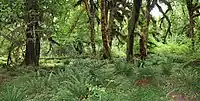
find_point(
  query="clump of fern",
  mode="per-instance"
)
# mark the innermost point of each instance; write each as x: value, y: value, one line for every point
x: 74, y: 87
x: 145, y: 72
x: 102, y: 94
x: 190, y: 78
x: 38, y: 83
x: 124, y: 68
x: 11, y: 93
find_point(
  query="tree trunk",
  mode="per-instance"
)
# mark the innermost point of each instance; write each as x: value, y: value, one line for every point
x: 190, y: 32
x: 32, y: 35
x: 91, y: 15
x: 111, y: 22
x: 92, y: 24
x: 107, y: 54
x: 143, y: 46
x: 131, y: 27
x: 30, y: 57
x: 37, y: 48
x: 9, y: 59
x: 145, y: 31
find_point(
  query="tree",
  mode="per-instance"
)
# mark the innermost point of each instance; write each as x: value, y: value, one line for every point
x: 111, y: 22
x: 131, y: 28
x: 119, y: 11
x: 144, y: 32
x: 193, y: 12
x: 32, y: 19
x: 90, y: 8
x: 107, y: 54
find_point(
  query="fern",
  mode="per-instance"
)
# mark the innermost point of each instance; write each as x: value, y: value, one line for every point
x: 11, y: 93
x: 75, y: 85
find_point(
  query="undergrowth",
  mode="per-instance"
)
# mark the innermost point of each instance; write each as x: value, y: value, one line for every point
x: 103, y: 80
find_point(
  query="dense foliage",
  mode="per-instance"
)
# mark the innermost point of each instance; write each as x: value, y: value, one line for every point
x: 99, y: 50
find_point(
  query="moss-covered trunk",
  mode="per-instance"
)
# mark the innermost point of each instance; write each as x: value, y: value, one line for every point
x: 107, y: 54
x: 145, y: 32
x: 131, y: 28
x: 32, y: 34
x: 90, y: 8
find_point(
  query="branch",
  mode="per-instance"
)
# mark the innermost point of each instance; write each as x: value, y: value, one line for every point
x: 185, y: 28
x: 169, y: 23
x: 196, y: 8
x: 166, y: 3
x: 75, y: 23
x: 119, y: 39
x: 152, y: 5
x: 78, y: 3
x: 196, y: 15
x: 169, y: 7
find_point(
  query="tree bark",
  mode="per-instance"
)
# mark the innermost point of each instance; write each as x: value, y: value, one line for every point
x: 107, y: 54
x: 91, y: 15
x: 145, y: 32
x: 37, y: 48
x: 32, y: 35
x: 92, y: 24
x: 131, y: 27
x: 190, y: 33
x: 111, y: 22
x: 143, y: 45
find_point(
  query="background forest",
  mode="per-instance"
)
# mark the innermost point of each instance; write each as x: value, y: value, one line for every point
x: 99, y: 50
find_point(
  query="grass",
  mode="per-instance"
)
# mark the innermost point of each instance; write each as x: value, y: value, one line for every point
x: 103, y: 80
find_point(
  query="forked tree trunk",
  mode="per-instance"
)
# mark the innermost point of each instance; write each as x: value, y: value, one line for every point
x: 107, y: 54
x: 131, y: 28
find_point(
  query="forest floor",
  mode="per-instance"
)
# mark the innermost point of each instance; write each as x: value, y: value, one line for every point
x: 159, y: 78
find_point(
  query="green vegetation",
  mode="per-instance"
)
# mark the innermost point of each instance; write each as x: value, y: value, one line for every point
x: 99, y: 50
x: 104, y: 80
